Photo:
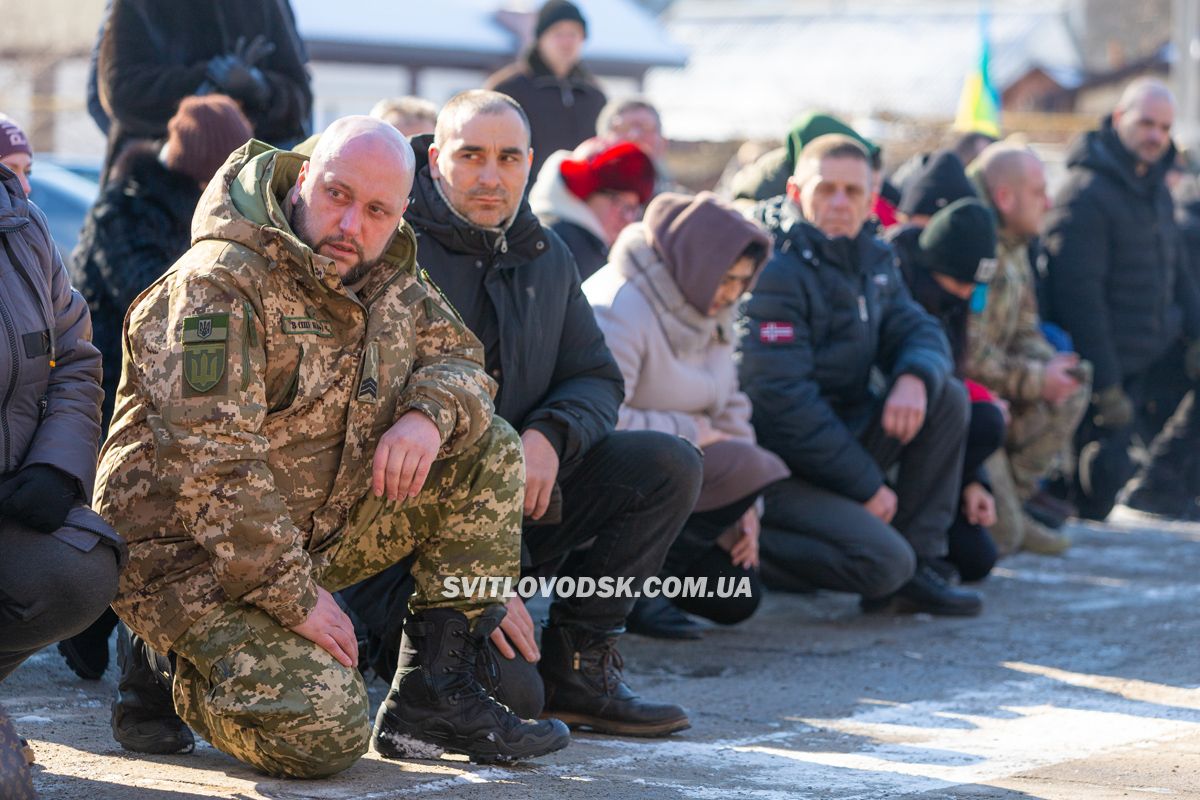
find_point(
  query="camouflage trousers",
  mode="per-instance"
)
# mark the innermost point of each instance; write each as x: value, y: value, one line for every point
x: 275, y: 700
x: 1039, y: 442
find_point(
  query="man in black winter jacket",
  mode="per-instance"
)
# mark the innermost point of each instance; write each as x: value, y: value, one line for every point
x: 829, y: 311
x: 1118, y: 283
x: 624, y: 495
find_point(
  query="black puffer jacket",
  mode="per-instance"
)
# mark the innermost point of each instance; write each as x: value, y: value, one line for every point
x: 589, y: 251
x: 136, y: 230
x: 1114, y: 276
x: 154, y: 53
x: 824, y: 313
x: 49, y: 370
x: 519, y: 293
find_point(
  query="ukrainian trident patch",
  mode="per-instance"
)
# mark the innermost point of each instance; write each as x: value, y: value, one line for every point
x: 204, y: 353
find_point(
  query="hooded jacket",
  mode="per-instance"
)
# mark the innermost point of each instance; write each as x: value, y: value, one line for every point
x: 562, y: 111
x: 50, y: 392
x: 518, y: 289
x: 1116, y: 281
x: 140, y: 225
x: 254, y: 393
x: 572, y: 219
x: 826, y: 312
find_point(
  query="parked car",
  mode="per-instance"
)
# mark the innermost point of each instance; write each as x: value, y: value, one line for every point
x: 65, y: 196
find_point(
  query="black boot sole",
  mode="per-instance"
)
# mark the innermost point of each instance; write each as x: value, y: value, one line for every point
x: 402, y: 741
x: 616, y: 728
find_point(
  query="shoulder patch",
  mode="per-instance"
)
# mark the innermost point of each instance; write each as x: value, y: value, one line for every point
x: 204, y: 337
x: 776, y: 332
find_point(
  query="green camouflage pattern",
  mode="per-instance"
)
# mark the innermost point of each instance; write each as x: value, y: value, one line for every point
x: 273, y: 699
x: 1006, y: 349
x: 226, y: 494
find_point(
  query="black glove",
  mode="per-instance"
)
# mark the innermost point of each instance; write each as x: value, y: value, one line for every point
x: 1114, y: 409
x: 39, y: 496
x: 240, y: 80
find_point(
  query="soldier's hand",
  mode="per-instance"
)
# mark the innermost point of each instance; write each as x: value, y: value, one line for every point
x: 329, y: 628
x: 404, y: 457
x: 541, y: 471
x: 904, y: 410
x: 1058, y: 380
x: 517, y: 628
x: 882, y: 504
x: 744, y: 552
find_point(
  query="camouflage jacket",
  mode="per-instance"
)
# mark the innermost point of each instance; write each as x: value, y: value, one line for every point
x: 1006, y: 349
x: 254, y: 391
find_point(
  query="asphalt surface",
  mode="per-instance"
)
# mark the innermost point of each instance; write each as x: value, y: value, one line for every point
x: 1080, y: 681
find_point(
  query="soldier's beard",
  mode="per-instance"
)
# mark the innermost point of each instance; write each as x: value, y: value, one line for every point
x: 357, y: 273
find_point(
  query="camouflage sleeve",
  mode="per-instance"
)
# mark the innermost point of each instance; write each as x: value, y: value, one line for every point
x: 203, y: 372
x: 1005, y: 361
x: 448, y: 383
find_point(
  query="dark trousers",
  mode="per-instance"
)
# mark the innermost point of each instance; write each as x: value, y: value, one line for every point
x: 829, y: 541
x: 971, y: 549
x: 623, y: 505
x: 1167, y: 423
x: 49, y: 591
x: 695, y: 554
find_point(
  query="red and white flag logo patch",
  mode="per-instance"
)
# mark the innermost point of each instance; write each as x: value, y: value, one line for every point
x: 776, y: 333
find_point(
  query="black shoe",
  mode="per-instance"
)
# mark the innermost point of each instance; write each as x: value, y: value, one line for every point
x: 585, y: 687
x: 86, y: 653
x: 437, y: 704
x: 659, y: 618
x: 1171, y: 505
x: 928, y: 593
x: 143, y: 713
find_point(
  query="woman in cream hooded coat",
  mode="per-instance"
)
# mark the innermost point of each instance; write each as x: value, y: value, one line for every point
x: 665, y: 302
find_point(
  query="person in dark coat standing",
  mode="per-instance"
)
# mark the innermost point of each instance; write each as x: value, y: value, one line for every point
x: 1119, y: 285
x: 628, y: 493
x: 559, y: 96
x: 830, y: 307
x: 154, y: 53
x: 138, y: 227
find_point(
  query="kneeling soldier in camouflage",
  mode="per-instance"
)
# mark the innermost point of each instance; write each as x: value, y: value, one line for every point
x: 299, y: 410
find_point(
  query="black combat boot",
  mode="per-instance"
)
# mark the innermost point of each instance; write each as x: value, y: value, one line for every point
x: 143, y: 713
x: 437, y: 703
x: 585, y: 687
x: 86, y: 653
x: 930, y: 593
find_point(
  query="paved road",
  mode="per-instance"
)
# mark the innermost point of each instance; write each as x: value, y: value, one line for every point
x: 1079, y: 682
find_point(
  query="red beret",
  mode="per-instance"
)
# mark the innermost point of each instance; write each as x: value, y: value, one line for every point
x: 620, y: 168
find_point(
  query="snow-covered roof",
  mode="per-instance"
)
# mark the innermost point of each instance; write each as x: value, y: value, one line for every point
x: 468, y: 32
x: 755, y: 65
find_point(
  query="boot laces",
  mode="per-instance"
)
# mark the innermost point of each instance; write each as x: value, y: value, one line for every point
x: 607, y: 660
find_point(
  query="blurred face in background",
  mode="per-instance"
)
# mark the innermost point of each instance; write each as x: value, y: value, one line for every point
x: 561, y: 46
x: 733, y: 285
x: 1145, y: 127
x: 615, y: 210
x: 836, y: 196
x: 640, y: 126
x: 1022, y: 200
x: 22, y: 165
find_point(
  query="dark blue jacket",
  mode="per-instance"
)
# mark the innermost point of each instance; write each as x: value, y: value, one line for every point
x: 823, y: 315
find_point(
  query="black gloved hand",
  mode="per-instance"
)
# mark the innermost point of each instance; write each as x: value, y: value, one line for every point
x: 39, y: 496
x: 239, y: 80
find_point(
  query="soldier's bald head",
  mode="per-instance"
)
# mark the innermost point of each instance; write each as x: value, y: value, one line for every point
x: 376, y: 141
x: 1005, y: 164
x: 351, y: 195
x: 1015, y: 181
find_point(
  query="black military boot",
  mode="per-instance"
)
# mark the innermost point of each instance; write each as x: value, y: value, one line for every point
x: 930, y: 593
x: 143, y: 713
x: 585, y: 687
x: 86, y: 653
x: 437, y: 703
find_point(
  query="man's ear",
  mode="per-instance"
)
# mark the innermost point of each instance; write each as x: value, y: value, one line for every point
x: 433, y: 161
x: 295, y: 193
x: 793, y: 190
x: 1004, y: 197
